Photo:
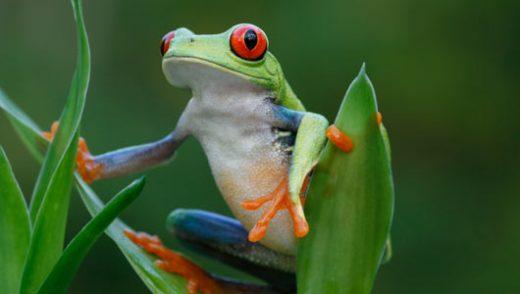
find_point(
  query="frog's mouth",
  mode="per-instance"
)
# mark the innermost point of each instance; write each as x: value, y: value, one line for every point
x: 181, y: 71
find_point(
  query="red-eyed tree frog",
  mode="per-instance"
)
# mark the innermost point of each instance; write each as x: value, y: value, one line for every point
x: 261, y: 144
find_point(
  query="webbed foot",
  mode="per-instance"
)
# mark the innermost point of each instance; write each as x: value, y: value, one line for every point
x: 172, y: 262
x: 279, y: 199
x: 86, y: 166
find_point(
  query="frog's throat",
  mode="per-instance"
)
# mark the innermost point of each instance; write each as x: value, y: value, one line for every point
x: 212, y: 64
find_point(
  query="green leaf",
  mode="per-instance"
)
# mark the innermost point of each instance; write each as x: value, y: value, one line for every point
x: 70, y: 117
x: 49, y: 228
x: 350, y: 203
x: 15, y: 230
x: 65, y: 269
x: 24, y: 126
x: 155, y: 279
x: 51, y: 195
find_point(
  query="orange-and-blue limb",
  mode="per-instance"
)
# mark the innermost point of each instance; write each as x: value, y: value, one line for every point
x: 126, y: 160
x: 225, y: 239
x: 311, y: 133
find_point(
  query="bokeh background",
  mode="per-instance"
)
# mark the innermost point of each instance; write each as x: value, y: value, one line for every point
x: 446, y: 73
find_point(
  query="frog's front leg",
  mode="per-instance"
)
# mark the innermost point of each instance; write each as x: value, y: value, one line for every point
x: 126, y: 160
x: 138, y: 158
x: 312, y: 130
x: 310, y: 137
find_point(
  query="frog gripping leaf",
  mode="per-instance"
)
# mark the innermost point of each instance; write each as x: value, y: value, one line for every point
x: 261, y: 145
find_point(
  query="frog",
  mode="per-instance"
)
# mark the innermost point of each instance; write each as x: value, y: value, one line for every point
x: 262, y: 146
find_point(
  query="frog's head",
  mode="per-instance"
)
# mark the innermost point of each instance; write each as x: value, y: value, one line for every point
x: 236, y: 55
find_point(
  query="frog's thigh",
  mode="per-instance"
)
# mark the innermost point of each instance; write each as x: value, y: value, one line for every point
x: 225, y: 238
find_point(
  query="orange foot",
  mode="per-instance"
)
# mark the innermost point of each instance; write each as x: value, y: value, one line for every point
x: 339, y: 139
x: 279, y: 199
x: 87, y: 167
x: 175, y: 263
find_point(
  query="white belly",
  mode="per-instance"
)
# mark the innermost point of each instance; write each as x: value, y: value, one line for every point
x: 238, y: 143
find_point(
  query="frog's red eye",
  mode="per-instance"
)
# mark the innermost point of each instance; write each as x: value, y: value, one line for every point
x: 248, y: 42
x: 165, y: 42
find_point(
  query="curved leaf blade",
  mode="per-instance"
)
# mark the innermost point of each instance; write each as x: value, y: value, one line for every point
x: 24, y: 126
x: 155, y: 279
x: 70, y: 117
x: 14, y: 227
x: 51, y: 195
x: 65, y: 269
x: 49, y: 228
x: 350, y: 203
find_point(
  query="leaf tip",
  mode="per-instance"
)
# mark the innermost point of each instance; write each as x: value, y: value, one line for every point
x: 139, y: 183
x: 362, y: 75
x: 362, y: 70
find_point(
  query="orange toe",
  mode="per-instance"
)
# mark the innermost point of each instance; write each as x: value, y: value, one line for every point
x: 87, y: 167
x: 170, y: 261
x: 301, y: 227
x: 54, y: 128
x: 379, y: 118
x: 278, y: 200
x: 85, y: 164
x: 254, y: 204
x: 339, y: 139
x: 257, y: 233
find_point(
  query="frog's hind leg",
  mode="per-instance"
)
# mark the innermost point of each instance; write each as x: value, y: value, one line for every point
x: 224, y: 238
x: 175, y: 263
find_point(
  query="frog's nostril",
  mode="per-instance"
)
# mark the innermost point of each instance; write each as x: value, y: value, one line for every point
x: 166, y: 41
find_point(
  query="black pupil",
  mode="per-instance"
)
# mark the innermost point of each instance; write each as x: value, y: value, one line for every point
x: 250, y: 39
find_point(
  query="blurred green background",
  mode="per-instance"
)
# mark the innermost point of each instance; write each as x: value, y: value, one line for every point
x: 447, y: 78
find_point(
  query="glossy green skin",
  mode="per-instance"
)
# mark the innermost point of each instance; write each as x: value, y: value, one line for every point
x: 215, y: 49
x: 196, y: 61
